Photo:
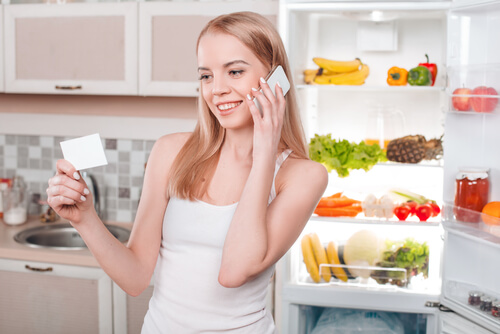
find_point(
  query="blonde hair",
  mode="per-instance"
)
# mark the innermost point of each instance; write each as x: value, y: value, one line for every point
x: 196, y: 162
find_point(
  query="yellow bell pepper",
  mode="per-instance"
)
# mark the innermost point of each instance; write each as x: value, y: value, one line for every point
x: 397, y: 76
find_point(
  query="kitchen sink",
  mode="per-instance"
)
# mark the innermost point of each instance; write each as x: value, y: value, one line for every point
x: 61, y: 236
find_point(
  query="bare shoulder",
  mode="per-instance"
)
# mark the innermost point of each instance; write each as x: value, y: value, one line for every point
x: 173, y: 141
x: 303, y: 172
x: 166, y: 149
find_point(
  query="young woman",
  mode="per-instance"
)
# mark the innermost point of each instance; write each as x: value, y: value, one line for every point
x: 221, y: 205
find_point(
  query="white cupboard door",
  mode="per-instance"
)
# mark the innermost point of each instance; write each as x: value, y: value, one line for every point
x: 77, y: 48
x: 168, y: 32
x: 53, y: 298
x: 1, y: 50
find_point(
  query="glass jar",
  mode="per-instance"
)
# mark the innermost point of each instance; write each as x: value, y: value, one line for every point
x: 486, y: 304
x: 15, y: 203
x: 472, y: 192
x: 475, y: 298
x: 495, y: 309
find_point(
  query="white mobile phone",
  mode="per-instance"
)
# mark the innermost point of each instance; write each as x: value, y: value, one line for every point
x: 276, y: 75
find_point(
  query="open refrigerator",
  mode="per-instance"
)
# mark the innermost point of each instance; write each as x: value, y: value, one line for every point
x: 463, y: 38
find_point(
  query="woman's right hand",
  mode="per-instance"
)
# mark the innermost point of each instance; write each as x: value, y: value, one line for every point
x: 68, y: 193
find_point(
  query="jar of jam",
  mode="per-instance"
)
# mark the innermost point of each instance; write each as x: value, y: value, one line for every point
x: 495, y: 309
x: 486, y: 304
x: 475, y: 298
x: 472, y: 192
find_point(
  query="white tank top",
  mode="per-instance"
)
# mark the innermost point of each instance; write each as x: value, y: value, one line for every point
x: 187, y: 296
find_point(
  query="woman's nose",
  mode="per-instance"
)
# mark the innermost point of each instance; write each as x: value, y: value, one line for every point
x: 220, y: 86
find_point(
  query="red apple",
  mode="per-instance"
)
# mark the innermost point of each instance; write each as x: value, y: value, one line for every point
x: 461, y: 103
x: 484, y: 104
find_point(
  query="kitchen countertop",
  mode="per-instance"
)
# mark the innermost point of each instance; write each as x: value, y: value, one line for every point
x: 10, y: 249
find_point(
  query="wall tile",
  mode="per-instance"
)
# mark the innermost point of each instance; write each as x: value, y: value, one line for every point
x: 120, y: 182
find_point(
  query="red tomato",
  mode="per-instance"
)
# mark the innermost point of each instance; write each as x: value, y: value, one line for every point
x: 402, y: 211
x: 423, y: 212
x: 435, y: 209
x: 412, y: 205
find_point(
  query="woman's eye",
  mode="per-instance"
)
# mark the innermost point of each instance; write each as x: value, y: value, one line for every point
x: 236, y: 73
x: 204, y: 77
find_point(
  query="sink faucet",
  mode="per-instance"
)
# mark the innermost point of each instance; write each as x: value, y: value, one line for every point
x: 94, y: 188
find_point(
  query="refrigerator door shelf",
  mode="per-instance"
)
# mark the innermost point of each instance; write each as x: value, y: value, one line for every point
x: 470, y: 263
x: 451, y: 323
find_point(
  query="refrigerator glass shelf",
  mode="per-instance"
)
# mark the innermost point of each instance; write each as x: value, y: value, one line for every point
x: 368, y: 88
x: 411, y: 221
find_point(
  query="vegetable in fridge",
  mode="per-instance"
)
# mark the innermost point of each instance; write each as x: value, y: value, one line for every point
x: 397, y: 76
x: 432, y: 68
x: 419, y: 76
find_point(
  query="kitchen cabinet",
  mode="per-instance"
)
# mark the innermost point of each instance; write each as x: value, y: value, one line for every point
x: 77, y: 48
x: 168, y: 32
x: 54, y: 298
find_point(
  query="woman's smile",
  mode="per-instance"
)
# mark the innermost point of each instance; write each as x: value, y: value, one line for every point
x: 227, y: 108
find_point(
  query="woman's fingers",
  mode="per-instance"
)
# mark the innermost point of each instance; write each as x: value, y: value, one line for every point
x: 61, y: 190
x: 65, y: 167
x: 254, y: 111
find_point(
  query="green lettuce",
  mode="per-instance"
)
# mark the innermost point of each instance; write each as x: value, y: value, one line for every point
x: 344, y: 156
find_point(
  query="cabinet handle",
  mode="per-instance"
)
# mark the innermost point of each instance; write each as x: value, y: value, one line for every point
x: 38, y: 269
x: 69, y: 87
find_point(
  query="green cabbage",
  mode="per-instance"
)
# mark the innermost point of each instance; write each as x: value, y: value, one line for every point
x: 344, y: 156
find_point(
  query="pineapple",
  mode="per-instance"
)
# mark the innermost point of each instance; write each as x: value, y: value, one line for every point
x: 413, y: 149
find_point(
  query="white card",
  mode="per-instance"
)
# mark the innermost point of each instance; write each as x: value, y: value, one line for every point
x: 84, y: 152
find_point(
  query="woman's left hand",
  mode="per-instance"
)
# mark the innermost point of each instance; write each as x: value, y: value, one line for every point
x: 269, y: 122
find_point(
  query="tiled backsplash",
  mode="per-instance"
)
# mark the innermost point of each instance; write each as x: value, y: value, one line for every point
x: 120, y: 182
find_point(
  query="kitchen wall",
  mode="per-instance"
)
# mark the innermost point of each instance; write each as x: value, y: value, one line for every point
x: 32, y: 126
x: 120, y: 182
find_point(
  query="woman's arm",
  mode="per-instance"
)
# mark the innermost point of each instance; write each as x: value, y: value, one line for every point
x: 260, y: 234
x: 131, y: 266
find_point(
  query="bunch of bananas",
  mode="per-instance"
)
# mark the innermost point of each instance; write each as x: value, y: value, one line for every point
x: 336, y: 72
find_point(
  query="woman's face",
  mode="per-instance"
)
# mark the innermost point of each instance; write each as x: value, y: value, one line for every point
x: 228, y: 70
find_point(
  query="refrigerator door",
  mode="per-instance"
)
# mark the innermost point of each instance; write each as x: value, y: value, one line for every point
x: 472, y: 246
x: 452, y: 323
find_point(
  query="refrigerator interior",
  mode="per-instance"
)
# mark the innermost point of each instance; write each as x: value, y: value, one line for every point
x: 382, y: 36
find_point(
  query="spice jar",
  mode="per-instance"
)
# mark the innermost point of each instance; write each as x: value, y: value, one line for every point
x: 495, y: 309
x: 475, y: 298
x: 472, y: 192
x: 486, y: 304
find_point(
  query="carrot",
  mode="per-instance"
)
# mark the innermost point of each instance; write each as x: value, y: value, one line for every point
x: 336, y: 195
x: 327, y: 202
x: 346, y: 211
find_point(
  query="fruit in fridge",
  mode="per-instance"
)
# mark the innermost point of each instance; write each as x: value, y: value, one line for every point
x: 461, y: 99
x: 491, y: 213
x: 338, y: 66
x: 483, y: 103
x: 309, y: 260
x: 414, y: 149
x: 333, y: 258
x: 320, y: 256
